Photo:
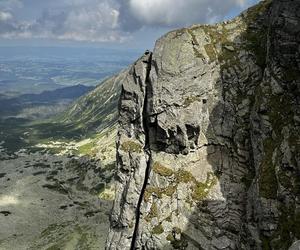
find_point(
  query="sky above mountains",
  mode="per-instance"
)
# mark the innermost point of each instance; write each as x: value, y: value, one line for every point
x: 119, y: 23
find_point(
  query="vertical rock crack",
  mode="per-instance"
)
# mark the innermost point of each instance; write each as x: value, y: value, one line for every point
x: 147, y: 151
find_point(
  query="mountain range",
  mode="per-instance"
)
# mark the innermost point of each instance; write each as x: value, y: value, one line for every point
x: 201, y: 135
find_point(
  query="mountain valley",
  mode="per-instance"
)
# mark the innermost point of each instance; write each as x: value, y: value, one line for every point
x: 194, y: 146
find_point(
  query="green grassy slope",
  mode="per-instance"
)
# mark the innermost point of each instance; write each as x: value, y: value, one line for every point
x: 86, y: 117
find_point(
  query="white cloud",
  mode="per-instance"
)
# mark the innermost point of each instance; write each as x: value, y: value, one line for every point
x: 78, y: 20
x: 5, y: 16
x: 104, y: 20
x: 180, y: 12
x: 91, y: 23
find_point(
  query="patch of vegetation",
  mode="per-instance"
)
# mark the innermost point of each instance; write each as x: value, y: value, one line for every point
x: 158, y: 229
x: 257, y: 10
x: 131, y: 146
x: 170, y: 237
x: 279, y: 109
x: 157, y: 191
x: 51, y: 229
x: 150, y: 191
x: 268, y: 185
x: 288, y: 229
x: 280, y: 112
x: 87, y: 149
x: 107, y: 196
x: 256, y: 41
x: 98, y: 189
x: 170, y: 190
x: 288, y: 226
x: 210, y: 51
x: 153, y: 213
x: 158, y: 168
x: 195, y: 43
x: 194, y: 38
x: 169, y: 218
x: 179, y: 33
x: 228, y: 59
x: 201, y: 190
x: 183, y: 176
x: 218, y: 37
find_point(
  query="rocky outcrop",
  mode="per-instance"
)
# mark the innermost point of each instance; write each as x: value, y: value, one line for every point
x: 133, y: 155
x: 208, y: 141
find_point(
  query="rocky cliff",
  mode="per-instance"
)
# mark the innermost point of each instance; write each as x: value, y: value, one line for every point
x: 208, y: 141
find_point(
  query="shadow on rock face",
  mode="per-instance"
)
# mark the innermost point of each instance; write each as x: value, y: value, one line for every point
x: 247, y: 196
x: 214, y: 114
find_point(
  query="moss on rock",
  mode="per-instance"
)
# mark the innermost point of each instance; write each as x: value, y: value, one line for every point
x: 131, y: 146
x: 267, y: 179
x: 201, y: 190
x: 158, y: 229
x: 153, y: 213
x: 183, y: 176
x: 160, y: 169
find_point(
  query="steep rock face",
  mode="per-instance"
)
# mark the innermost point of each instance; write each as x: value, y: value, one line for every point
x: 208, y: 143
x: 132, y: 155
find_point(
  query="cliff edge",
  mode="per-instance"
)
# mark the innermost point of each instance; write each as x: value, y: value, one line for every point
x: 208, y: 141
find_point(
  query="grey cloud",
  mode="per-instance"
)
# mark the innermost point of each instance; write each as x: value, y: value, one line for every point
x: 10, y: 4
x: 105, y: 20
x: 170, y: 13
x: 128, y: 20
x: 76, y: 20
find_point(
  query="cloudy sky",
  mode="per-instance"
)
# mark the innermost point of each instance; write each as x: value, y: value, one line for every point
x: 106, y: 22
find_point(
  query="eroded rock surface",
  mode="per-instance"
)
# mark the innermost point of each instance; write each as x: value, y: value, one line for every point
x: 208, y: 142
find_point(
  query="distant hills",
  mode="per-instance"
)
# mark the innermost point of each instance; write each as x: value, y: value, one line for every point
x: 13, y: 106
x: 97, y: 109
x: 71, y: 113
x: 71, y: 92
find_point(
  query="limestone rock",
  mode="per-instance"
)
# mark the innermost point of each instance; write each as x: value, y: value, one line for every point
x: 208, y: 143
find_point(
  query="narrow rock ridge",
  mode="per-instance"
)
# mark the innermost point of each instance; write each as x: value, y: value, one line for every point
x: 133, y: 156
x: 147, y: 150
x: 214, y: 113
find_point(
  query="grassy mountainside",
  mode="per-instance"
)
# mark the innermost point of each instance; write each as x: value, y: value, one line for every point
x: 86, y: 117
x: 97, y: 110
